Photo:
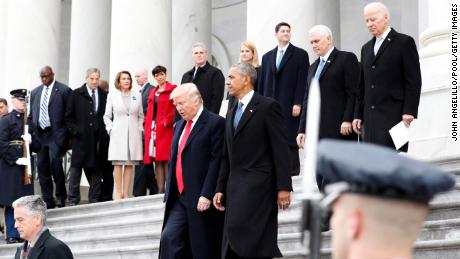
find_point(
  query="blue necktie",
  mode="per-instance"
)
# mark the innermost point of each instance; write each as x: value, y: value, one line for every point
x: 238, y: 114
x: 320, y: 68
x: 44, y: 116
x: 280, y: 57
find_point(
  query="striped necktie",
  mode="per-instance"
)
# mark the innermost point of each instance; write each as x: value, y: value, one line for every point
x: 44, y: 116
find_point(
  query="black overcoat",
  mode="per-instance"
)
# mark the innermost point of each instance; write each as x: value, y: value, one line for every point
x: 210, y: 82
x: 389, y: 87
x: 338, y: 83
x: 287, y: 84
x: 90, y: 141
x: 254, y: 167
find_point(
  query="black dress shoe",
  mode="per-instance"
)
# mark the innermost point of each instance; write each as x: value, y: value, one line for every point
x: 60, y: 204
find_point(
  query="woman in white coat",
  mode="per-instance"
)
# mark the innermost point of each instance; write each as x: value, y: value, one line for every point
x: 123, y: 120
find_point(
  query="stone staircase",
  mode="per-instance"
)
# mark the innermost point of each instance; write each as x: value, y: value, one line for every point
x: 131, y: 228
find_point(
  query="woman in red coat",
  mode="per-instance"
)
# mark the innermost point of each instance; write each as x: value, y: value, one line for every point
x: 158, y: 126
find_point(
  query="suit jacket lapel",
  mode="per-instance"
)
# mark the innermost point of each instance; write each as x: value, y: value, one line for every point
x: 53, y: 93
x: 386, y: 42
x: 35, y: 251
x: 286, y: 56
x: 247, y: 114
x: 329, y: 61
x: 197, y: 128
x: 102, y: 102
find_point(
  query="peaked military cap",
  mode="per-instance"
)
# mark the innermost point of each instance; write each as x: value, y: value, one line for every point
x: 378, y: 171
x: 19, y: 93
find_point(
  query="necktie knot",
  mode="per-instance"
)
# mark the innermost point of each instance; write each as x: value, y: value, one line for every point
x: 280, y: 57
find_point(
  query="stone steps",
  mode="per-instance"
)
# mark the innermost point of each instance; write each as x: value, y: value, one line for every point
x: 131, y: 228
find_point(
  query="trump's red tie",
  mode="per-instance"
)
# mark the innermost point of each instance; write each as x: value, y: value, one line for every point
x: 179, y: 179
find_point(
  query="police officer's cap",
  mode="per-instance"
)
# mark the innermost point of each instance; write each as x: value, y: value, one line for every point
x: 19, y: 94
x: 378, y: 171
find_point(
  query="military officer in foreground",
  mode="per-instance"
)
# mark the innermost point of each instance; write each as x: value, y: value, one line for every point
x: 12, y: 139
x: 379, y: 201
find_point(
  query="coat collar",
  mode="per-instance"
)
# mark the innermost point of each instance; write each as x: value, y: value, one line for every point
x: 199, y: 124
x: 39, y: 245
x: 388, y: 40
x: 286, y: 57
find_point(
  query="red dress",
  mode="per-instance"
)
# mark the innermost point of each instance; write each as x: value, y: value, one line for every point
x: 164, y: 124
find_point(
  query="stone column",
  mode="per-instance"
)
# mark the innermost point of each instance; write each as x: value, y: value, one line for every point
x: 431, y: 132
x: 191, y: 22
x: 32, y: 41
x: 262, y: 17
x: 89, y: 39
x: 140, y: 36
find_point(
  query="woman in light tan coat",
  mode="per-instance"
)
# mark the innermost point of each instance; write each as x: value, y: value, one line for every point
x: 123, y: 120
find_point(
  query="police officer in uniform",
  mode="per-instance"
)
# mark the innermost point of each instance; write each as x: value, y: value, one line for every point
x: 12, y: 138
x: 379, y: 201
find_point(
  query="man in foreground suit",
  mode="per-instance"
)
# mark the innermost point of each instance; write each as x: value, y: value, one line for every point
x: 192, y: 227
x: 144, y: 175
x: 30, y: 217
x: 254, y: 178
x: 389, y: 90
x: 283, y: 76
x: 48, y: 104
x: 84, y: 118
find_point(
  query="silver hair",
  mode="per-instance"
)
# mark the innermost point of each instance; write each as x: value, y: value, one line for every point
x: 200, y: 44
x: 381, y: 7
x: 89, y: 71
x: 322, y: 30
x: 189, y: 89
x: 247, y: 69
x: 34, y: 205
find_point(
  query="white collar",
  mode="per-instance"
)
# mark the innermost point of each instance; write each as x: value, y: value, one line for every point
x: 385, y: 33
x: 283, y: 48
x: 197, y: 115
x: 247, y: 98
x: 326, y: 56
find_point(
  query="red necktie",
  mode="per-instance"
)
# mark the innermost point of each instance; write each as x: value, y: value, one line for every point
x: 179, y: 179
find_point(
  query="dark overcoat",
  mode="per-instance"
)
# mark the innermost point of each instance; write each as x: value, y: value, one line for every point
x: 90, y: 141
x: 389, y: 87
x: 254, y: 168
x: 46, y: 247
x: 286, y: 84
x: 12, y: 175
x: 210, y: 82
x: 338, y: 83
x: 201, y: 159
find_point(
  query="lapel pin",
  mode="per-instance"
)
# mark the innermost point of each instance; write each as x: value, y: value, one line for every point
x: 328, y: 61
x: 250, y: 110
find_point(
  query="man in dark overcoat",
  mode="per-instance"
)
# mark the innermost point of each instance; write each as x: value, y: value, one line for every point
x: 254, y: 179
x: 209, y: 79
x: 192, y: 227
x: 11, y: 173
x: 90, y: 141
x: 390, y: 84
x: 283, y: 76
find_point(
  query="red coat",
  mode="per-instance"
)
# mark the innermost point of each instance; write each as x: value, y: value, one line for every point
x: 164, y: 124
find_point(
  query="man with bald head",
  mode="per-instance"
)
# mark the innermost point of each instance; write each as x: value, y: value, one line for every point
x: 390, y: 85
x: 48, y: 104
x: 192, y: 227
x: 144, y: 175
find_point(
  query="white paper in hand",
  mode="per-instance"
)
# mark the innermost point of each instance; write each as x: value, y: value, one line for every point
x: 400, y: 134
